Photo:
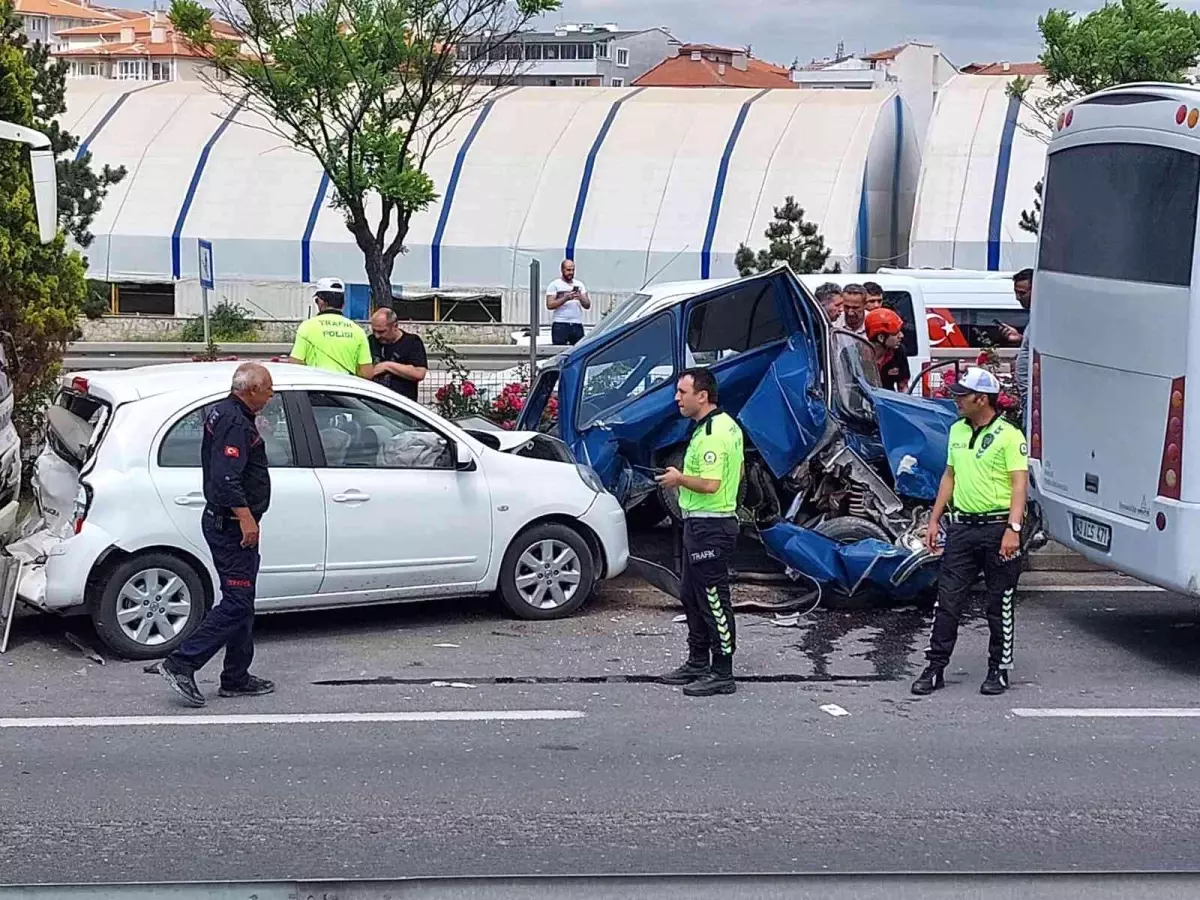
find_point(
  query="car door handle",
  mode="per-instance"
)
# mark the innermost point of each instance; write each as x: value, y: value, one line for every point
x: 190, y: 500
x: 351, y: 497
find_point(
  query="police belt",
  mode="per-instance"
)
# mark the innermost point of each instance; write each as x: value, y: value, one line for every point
x: 706, y: 514
x: 958, y: 517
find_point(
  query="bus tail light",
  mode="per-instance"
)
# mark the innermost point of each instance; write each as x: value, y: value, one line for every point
x: 1035, y: 407
x: 1170, y: 472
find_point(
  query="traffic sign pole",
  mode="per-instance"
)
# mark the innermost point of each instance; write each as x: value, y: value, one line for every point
x: 206, y: 285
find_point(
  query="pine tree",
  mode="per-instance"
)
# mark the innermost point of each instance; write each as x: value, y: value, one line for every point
x: 791, y: 240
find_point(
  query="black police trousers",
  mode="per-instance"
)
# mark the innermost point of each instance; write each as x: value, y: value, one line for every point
x: 969, y: 550
x: 704, y: 589
x: 229, y: 624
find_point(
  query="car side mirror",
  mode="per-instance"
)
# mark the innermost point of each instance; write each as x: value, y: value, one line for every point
x: 463, y: 460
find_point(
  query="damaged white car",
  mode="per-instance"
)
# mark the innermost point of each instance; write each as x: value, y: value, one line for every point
x: 374, y: 499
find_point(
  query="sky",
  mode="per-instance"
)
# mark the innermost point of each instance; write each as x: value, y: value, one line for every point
x: 782, y: 30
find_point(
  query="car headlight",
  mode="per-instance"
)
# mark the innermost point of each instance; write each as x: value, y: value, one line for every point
x: 590, y: 478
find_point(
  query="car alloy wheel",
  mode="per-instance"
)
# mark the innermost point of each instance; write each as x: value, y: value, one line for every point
x: 548, y: 574
x: 153, y: 605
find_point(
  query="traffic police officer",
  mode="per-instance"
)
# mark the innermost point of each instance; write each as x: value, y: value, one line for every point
x: 708, y: 492
x: 237, y: 488
x: 329, y: 340
x: 985, y: 485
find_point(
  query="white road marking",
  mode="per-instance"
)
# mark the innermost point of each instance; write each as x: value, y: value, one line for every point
x: 1100, y: 712
x: 1091, y: 589
x: 834, y: 710
x: 453, y: 715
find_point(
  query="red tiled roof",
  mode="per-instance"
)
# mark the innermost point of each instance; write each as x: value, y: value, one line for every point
x: 61, y: 9
x: 172, y: 46
x: 883, y: 55
x: 141, y: 23
x: 1028, y: 69
x: 683, y: 71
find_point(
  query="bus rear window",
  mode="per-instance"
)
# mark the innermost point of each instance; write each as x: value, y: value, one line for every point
x: 1121, y: 211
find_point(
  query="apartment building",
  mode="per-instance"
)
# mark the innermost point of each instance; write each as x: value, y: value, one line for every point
x: 584, y: 55
x: 144, y: 47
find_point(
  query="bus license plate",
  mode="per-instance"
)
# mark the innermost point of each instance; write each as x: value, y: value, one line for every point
x: 1094, y: 534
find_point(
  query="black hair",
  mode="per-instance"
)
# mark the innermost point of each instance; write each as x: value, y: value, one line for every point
x: 857, y: 289
x: 332, y: 299
x: 1023, y: 275
x: 827, y: 290
x: 702, y: 380
x: 873, y: 289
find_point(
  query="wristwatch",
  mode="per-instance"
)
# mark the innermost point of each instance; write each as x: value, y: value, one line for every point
x: 1015, y: 526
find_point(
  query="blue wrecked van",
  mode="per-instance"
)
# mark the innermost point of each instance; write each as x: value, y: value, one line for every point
x: 840, y: 473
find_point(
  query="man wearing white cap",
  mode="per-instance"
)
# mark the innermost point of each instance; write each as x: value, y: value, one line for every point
x: 329, y: 340
x: 984, y: 485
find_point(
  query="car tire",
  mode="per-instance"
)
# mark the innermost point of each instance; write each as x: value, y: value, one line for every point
x: 851, y: 529
x: 521, y: 560
x: 123, y: 583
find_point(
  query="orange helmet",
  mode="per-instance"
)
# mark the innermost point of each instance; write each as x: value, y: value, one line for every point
x: 883, y: 321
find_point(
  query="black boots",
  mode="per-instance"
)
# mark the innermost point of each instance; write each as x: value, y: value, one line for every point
x: 690, y: 671
x: 932, y: 680
x: 995, y: 684
x: 929, y: 681
x: 718, y: 680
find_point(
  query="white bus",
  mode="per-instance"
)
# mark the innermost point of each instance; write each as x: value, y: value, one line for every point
x: 1116, y: 334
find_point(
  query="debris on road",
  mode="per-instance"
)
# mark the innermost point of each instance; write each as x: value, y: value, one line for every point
x: 834, y: 710
x: 451, y: 684
x: 84, y: 648
x: 448, y: 646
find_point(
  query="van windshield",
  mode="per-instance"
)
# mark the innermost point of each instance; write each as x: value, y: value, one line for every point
x: 618, y: 316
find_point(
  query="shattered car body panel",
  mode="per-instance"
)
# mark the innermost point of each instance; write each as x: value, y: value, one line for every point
x: 839, y: 473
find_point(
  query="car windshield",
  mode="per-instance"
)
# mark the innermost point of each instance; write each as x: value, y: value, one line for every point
x: 621, y: 313
x: 854, y: 367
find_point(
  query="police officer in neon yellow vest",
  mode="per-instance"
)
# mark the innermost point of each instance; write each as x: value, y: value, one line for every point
x: 708, y: 492
x: 982, y: 493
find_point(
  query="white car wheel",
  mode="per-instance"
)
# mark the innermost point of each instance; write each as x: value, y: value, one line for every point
x: 547, y: 573
x: 149, y: 605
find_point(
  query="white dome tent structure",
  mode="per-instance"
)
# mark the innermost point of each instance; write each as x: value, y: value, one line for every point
x: 636, y: 184
x: 981, y: 160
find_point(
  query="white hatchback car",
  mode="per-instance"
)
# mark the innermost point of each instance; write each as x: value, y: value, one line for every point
x: 374, y: 499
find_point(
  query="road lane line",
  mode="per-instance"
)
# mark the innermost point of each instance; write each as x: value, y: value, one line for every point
x: 1100, y: 712
x: 482, y: 715
x: 1090, y: 589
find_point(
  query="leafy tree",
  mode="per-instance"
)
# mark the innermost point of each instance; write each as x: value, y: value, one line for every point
x: 369, y: 87
x: 41, y: 285
x: 791, y: 240
x: 1123, y: 41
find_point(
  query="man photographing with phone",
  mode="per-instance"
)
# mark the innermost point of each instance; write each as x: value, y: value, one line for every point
x: 567, y: 298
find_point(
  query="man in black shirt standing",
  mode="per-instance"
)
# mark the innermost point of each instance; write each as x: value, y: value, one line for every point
x: 398, y: 355
x: 237, y: 488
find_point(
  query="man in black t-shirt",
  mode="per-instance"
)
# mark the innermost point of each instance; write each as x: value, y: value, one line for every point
x: 398, y: 355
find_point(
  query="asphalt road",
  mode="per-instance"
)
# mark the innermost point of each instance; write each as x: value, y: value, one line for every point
x: 610, y: 773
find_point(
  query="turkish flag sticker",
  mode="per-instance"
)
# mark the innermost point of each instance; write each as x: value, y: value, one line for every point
x: 233, y: 451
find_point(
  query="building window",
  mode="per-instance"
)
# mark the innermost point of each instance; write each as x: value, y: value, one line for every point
x: 587, y: 51
x: 618, y: 82
x: 623, y: 57
x: 512, y: 51
x: 533, y: 51
x: 602, y: 50
x: 550, y: 51
x: 160, y: 71
x: 568, y: 51
x: 131, y: 70
x: 582, y: 82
